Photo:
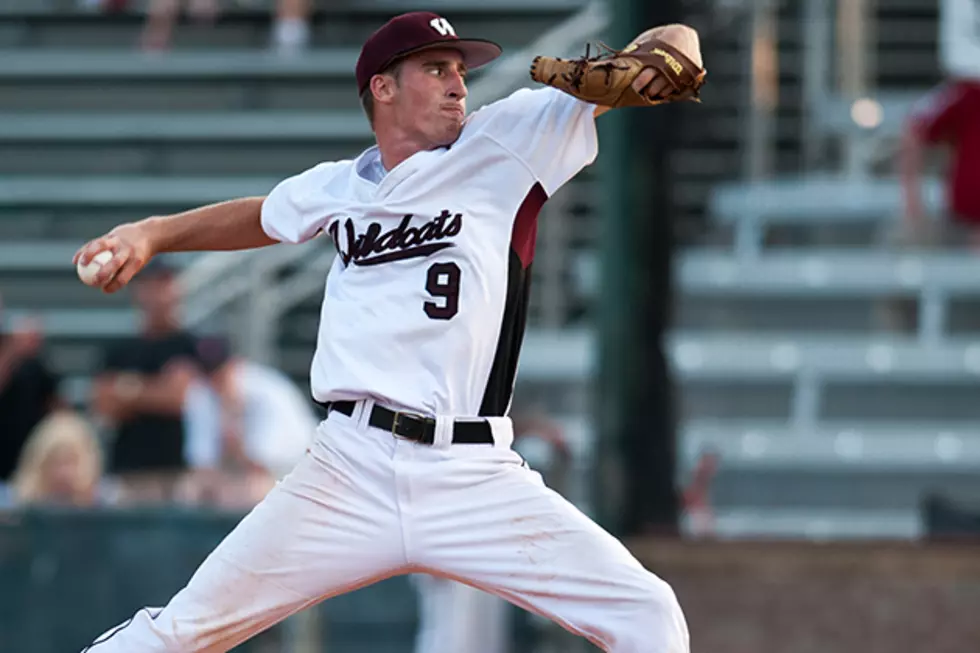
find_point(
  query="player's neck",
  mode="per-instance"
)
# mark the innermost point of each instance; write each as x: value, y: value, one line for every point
x: 395, y: 146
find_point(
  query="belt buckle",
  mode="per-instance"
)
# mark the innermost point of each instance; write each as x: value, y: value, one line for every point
x: 396, y: 422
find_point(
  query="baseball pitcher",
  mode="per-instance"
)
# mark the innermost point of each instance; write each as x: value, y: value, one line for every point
x: 423, y: 316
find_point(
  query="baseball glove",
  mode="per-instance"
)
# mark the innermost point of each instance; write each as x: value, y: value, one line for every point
x: 606, y: 79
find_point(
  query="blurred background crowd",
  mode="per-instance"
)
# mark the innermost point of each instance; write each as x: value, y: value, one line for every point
x: 755, y: 320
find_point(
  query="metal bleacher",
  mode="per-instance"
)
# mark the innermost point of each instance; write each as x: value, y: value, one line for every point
x: 826, y: 425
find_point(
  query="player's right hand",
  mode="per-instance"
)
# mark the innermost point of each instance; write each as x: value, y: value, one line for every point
x: 131, y: 247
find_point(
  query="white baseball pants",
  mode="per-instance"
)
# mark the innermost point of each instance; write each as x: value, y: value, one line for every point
x: 363, y: 506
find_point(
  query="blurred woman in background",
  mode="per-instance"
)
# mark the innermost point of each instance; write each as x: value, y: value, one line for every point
x: 61, y: 464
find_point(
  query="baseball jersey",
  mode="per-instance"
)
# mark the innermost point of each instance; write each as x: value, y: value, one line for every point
x: 425, y: 304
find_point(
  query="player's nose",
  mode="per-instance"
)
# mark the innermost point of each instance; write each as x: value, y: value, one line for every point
x: 457, y: 86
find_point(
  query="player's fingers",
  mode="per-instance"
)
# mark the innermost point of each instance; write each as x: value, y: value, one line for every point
x: 108, y: 270
x: 659, y: 88
x: 124, y: 275
x: 85, y: 254
x: 643, y: 79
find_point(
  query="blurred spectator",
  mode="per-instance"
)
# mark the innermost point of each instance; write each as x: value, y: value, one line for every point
x: 290, y: 32
x: 140, y: 389
x: 248, y: 422
x: 540, y: 440
x: 950, y: 116
x: 697, y: 495
x: 28, y: 391
x: 61, y: 464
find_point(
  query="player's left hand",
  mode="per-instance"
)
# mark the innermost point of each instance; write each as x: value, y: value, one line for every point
x: 661, y: 65
x: 651, y: 83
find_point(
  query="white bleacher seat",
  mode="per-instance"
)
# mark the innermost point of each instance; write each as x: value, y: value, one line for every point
x: 814, y: 201
x: 811, y: 273
x: 843, y: 523
x: 80, y: 323
x: 571, y: 355
x: 851, y: 358
x: 835, y: 117
x: 234, y: 127
x: 51, y: 255
x: 557, y: 355
x: 132, y: 191
x: 830, y: 272
x: 30, y: 255
x: 79, y: 65
x: 756, y: 445
x: 934, y: 277
x: 40, y: 8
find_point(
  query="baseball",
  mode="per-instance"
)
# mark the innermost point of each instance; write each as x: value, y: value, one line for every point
x: 87, y: 272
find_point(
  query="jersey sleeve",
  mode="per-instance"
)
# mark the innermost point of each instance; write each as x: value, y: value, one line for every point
x: 937, y: 116
x: 292, y: 211
x: 552, y: 132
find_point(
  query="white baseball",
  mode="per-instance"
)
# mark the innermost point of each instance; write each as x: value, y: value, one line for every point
x: 87, y: 272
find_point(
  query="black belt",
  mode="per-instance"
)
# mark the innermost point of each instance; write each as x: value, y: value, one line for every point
x: 415, y: 428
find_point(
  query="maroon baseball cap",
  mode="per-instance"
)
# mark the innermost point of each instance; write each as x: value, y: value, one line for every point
x: 414, y: 32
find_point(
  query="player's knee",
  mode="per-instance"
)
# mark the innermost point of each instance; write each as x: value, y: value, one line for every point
x: 656, y: 624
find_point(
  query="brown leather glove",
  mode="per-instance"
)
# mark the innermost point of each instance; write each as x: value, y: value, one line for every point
x: 606, y: 79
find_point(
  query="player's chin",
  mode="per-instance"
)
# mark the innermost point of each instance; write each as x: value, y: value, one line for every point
x: 449, y: 130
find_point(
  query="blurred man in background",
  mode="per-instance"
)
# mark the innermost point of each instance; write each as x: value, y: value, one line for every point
x: 946, y: 120
x: 290, y: 30
x: 28, y: 391
x: 246, y: 425
x: 949, y: 116
x: 140, y: 389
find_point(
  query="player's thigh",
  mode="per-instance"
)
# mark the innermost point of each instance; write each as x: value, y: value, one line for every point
x: 517, y: 538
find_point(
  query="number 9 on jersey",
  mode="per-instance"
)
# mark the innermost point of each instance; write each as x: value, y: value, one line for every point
x: 442, y: 282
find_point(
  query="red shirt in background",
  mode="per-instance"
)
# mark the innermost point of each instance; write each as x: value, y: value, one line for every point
x: 951, y: 115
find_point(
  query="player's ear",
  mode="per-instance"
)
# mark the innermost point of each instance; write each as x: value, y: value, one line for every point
x: 383, y: 88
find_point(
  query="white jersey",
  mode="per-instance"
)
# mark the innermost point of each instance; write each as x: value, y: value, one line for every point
x: 425, y: 305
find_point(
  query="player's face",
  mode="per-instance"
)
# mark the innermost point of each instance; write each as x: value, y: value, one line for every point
x: 431, y: 96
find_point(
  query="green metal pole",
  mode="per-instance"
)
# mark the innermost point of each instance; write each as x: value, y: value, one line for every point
x: 612, y: 305
x: 635, y: 413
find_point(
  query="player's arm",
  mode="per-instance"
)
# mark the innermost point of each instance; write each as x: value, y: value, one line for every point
x: 661, y: 65
x: 232, y: 225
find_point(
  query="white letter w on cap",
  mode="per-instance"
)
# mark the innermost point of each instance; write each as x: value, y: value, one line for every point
x: 442, y: 26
